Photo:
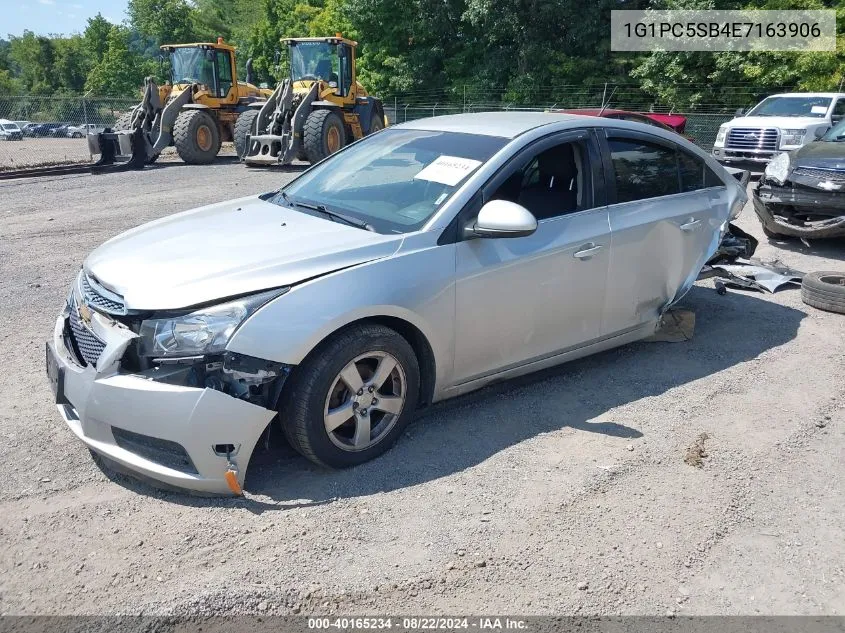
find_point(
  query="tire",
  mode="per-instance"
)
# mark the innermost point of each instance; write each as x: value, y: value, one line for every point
x: 315, y: 388
x: 123, y: 121
x: 243, y: 128
x: 824, y: 290
x: 324, y: 134
x: 76, y: 135
x: 196, y: 137
x: 376, y: 122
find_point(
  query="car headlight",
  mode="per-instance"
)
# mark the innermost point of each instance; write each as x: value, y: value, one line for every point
x: 778, y: 168
x: 792, y: 137
x: 205, y: 331
x: 720, y: 136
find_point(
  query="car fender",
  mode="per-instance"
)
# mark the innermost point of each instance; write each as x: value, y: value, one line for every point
x: 421, y: 293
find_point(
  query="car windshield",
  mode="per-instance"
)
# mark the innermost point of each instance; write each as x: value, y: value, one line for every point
x: 190, y: 65
x: 313, y: 60
x: 394, y: 180
x: 792, y: 106
x: 836, y: 133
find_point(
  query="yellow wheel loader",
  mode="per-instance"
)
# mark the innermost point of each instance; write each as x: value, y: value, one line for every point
x: 195, y: 111
x: 316, y: 111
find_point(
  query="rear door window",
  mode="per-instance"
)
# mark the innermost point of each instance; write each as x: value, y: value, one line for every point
x: 642, y: 169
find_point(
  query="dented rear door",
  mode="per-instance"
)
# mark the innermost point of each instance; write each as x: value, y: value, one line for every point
x: 666, y: 221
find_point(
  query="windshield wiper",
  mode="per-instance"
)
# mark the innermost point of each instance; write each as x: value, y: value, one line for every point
x: 321, y: 208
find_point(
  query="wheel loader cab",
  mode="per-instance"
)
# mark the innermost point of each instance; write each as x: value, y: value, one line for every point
x: 327, y: 60
x: 212, y: 66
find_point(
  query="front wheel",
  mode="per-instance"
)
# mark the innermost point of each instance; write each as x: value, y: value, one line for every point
x: 196, y: 137
x: 351, y: 398
x: 243, y: 128
x: 324, y: 134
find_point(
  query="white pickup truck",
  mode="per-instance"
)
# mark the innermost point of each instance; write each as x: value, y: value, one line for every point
x: 779, y: 123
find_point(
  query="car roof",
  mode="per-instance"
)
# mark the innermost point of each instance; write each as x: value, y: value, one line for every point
x: 501, y: 124
x: 809, y: 94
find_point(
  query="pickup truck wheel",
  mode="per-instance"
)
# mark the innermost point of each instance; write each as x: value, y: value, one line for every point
x: 824, y: 290
x: 352, y: 396
x: 196, y: 137
x: 324, y: 134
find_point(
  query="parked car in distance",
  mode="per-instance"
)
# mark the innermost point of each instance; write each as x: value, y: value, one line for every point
x: 45, y: 129
x: 779, y: 123
x: 420, y: 263
x: 673, y: 122
x: 60, y: 131
x: 27, y: 127
x: 9, y: 131
x: 802, y: 192
x: 83, y: 130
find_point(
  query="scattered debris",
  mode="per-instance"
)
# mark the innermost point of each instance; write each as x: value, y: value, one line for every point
x: 696, y: 453
x: 752, y: 274
x: 676, y: 326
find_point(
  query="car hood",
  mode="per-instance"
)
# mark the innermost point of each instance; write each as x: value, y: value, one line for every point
x: 784, y: 122
x: 823, y: 154
x: 228, y: 249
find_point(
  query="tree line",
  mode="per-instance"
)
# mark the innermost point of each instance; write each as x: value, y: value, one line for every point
x: 514, y: 51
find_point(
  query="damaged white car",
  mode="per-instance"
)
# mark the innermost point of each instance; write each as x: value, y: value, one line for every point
x: 420, y: 263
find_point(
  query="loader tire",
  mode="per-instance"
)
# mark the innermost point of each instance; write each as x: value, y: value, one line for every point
x: 324, y: 134
x: 243, y: 128
x: 123, y: 121
x: 377, y: 122
x: 824, y: 290
x: 196, y: 137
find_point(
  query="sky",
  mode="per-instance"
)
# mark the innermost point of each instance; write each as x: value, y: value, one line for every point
x: 55, y: 16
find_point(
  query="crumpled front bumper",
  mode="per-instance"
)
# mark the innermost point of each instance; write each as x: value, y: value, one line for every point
x: 770, y: 199
x: 156, y: 430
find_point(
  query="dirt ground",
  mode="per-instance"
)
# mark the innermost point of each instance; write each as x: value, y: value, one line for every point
x: 37, y: 152
x: 703, y: 477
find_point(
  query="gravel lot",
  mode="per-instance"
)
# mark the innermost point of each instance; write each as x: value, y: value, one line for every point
x: 35, y: 152
x: 566, y: 492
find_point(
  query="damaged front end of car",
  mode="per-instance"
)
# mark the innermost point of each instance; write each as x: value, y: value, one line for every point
x: 801, y: 201
x: 158, y: 394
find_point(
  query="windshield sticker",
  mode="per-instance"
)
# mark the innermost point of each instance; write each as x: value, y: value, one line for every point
x: 818, y: 109
x: 448, y: 170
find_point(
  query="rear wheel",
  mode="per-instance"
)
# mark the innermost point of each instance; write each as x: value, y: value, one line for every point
x: 243, y: 128
x: 352, y: 397
x: 324, y: 134
x: 196, y: 137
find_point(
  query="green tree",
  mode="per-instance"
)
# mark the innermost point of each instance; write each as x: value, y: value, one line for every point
x: 96, y: 38
x: 120, y: 72
x: 34, y: 57
x: 71, y: 64
x: 165, y: 21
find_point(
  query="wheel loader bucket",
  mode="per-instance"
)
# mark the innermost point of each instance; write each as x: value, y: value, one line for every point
x: 277, y: 134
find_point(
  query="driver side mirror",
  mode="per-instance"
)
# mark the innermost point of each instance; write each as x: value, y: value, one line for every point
x: 501, y: 218
x: 820, y: 131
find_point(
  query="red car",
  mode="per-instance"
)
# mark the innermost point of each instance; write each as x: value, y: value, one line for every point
x: 672, y: 122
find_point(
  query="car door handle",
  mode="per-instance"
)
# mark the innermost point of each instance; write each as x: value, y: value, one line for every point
x: 691, y: 225
x: 588, y: 251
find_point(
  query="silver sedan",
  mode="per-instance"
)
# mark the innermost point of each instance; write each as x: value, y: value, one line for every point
x: 417, y: 264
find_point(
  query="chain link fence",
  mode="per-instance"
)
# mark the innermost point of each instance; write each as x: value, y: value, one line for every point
x: 52, y: 130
